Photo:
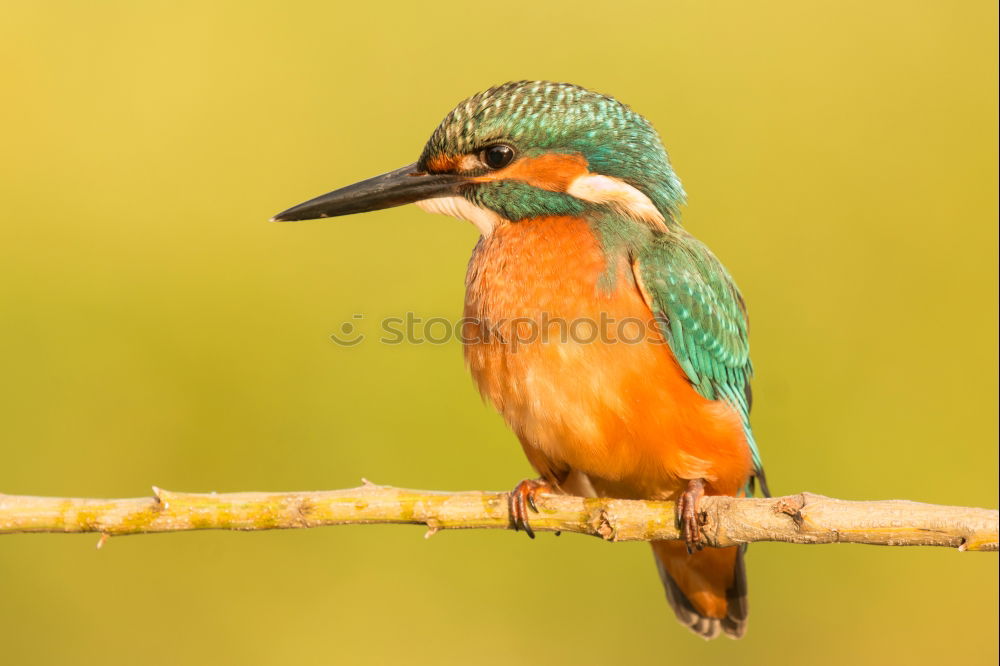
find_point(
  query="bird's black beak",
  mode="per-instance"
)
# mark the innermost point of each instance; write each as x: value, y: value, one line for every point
x: 395, y: 188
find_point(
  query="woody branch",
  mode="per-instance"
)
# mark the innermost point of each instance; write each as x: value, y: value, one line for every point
x: 727, y: 521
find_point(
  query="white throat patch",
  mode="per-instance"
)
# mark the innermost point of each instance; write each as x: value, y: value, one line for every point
x: 483, y: 219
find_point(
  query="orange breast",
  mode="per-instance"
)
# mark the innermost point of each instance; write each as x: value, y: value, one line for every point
x: 565, y: 347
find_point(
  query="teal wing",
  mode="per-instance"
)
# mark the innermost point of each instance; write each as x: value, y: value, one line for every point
x: 701, y: 314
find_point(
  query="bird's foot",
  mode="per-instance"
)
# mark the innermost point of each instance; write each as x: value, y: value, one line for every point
x: 688, y: 516
x: 521, y: 499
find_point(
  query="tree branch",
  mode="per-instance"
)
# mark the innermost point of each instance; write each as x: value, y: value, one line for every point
x: 802, y: 518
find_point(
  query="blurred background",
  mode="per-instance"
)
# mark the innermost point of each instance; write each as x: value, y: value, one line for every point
x: 840, y: 157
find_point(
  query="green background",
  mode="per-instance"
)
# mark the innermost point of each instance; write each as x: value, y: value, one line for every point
x: 840, y: 157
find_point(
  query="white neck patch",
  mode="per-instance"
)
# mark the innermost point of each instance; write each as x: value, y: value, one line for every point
x: 596, y: 188
x: 483, y: 219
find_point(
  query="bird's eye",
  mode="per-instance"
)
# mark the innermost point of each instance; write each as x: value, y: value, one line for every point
x: 497, y: 157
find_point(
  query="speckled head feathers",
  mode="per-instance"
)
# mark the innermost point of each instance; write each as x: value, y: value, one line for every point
x: 538, y: 117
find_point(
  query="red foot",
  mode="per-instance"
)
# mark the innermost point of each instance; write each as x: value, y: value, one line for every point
x: 687, y: 514
x: 523, y: 497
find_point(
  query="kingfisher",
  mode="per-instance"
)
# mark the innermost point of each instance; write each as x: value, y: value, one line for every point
x: 578, y: 210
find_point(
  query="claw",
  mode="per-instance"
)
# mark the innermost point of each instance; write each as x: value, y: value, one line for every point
x: 688, y: 515
x: 521, y: 499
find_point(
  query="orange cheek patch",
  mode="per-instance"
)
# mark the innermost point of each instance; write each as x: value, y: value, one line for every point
x: 549, y: 172
x: 443, y: 163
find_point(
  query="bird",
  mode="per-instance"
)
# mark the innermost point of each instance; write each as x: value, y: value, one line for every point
x: 578, y: 209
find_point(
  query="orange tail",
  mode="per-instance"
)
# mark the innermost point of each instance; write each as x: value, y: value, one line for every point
x: 707, y: 589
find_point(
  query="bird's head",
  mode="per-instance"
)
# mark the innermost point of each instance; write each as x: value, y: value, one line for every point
x: 522, y: 150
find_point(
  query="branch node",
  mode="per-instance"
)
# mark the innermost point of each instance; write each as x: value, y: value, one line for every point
x: 792, y: 506
x: 603, y: 525
x: 102, y: 540
x: 432, y: 528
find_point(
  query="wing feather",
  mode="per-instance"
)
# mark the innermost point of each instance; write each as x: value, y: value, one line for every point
x: 701, y: 314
